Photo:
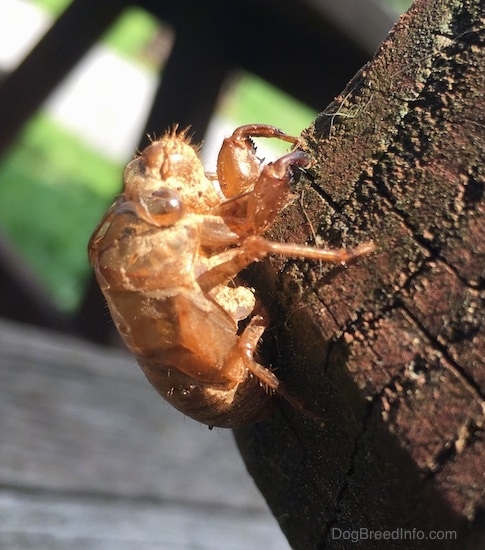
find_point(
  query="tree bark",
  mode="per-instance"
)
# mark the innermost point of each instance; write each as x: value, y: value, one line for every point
x: 390, y: 348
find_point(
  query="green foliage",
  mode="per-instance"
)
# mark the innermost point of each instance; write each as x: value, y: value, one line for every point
x: 54, y: 7
x: 131, y: 33
x: 53, y: 191
x: 397, y: 6
x: 254, y: 100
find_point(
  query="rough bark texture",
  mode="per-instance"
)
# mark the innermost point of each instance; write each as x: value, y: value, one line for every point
x: 391, y: 348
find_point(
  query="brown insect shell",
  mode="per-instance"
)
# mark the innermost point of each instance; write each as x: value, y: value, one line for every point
x: 172, y: 163
x: 184, y: 339
x: 238, y: 167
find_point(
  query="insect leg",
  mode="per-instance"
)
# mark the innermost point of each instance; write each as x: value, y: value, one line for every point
x: 247, y: 346
x: 227, y: 270
x: 339, y: 255
x: 261, y: 130
x: 272, y: 191
x: 255, y: 248
x: 238, y: 166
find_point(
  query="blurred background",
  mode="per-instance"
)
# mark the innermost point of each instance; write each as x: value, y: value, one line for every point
x: 61, y: 161
x: 81, y: 85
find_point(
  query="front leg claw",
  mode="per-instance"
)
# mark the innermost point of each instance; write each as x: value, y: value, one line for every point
x: 238, y: 167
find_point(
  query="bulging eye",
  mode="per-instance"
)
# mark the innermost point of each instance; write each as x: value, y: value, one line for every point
x: 165, y: 206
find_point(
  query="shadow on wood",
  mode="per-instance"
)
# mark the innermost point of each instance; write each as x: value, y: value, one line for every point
x: 392, y: 347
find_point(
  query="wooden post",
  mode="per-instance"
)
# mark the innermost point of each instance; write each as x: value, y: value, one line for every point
x: 391, y: 349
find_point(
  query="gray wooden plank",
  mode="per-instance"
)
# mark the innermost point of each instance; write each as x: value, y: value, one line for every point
x: 81, y: 420
x: 41, y: 522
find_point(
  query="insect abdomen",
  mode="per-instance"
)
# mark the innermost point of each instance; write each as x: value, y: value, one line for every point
x: 221, y: 406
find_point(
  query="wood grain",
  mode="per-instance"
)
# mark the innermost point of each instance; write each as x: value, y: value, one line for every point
x: 390, y: 349
x: 92, y: 458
